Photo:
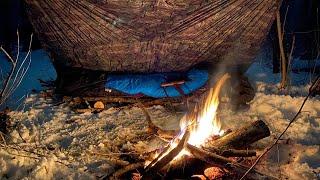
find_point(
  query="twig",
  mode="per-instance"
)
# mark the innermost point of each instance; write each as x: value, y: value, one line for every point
x: 291, y: 53
x: 207, y: 156
x: 3, y: 139
x: 278, y: 160
x: 37, y: 155
x: 25, y: 156
x: 222, y: 162
x: 111, y: 159
x: 16, y: 76
x: 8, y: 56
x: 20, y: 149
x: 315, y: 83
x: 11, y: 73
x: 114, y: 153
x: 18, y: 48
x: 17, y: 80
x: 163, y: 161
x: 120, y: 172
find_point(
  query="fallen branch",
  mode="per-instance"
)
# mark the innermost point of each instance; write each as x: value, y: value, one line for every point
x: 9, y: 149
x: 118, y: 174
x: 135, y: 101
x: 208, y: 157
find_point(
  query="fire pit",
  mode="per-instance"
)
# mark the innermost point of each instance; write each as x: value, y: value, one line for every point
x: 202, y: 146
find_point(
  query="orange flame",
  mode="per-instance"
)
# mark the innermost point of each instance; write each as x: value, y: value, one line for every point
x: 203, y: 122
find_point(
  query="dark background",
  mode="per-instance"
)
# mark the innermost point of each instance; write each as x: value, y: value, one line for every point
x: 13, y: 18
x: 302, y: 21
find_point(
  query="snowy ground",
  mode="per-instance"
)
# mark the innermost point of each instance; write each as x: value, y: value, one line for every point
x: 52, y: 142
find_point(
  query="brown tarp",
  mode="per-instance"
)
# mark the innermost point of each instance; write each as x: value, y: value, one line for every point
x: 151, y: 35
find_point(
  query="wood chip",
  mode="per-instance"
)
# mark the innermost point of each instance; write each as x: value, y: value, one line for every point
x: 98, y: 105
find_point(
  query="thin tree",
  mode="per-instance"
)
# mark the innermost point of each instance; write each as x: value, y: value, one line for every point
x: 17, y: 72
x: 283, y: 59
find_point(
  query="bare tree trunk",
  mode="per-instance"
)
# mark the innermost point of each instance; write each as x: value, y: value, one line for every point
x: 284, y: 77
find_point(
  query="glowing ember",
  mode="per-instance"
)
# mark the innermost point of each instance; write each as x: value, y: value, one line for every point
x: 203, y: 122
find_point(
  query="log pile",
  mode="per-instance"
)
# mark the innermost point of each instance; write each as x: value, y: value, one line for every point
x: 195, y: 147
x: 219, y: 153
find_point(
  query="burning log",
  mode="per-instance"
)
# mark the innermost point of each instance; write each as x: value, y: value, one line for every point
x: 215, y: 153
x: 166, y: 158
x: 186, y: 166
x: 194, y: 150
x: 197, y: 148
x: 241, y: 137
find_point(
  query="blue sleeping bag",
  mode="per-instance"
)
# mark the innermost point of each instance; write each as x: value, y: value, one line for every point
x: 150, y: 84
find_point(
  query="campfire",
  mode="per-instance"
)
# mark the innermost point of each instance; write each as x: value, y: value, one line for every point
x: 201, y: 124
x: 203, y: 147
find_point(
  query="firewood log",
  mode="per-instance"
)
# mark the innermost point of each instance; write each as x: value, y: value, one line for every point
x: 238, y: 153
x: 201, y: 159
x: 240, y: 138
x: 167, y: 158
x: 237, y: 139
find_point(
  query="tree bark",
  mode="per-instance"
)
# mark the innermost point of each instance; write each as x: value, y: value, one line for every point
x: 241, y: 137
x: 282, y: 53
